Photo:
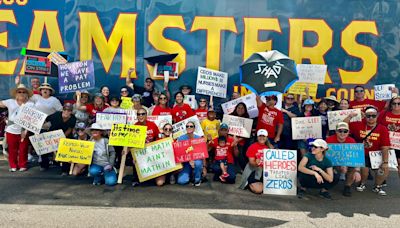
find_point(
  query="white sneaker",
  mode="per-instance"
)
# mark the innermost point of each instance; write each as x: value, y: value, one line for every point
x: 342, y: 177
x: 378, y: 189
x: 13, y: 170
x: 361, y: 187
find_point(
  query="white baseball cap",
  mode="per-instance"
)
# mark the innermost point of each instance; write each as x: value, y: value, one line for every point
x: 262, y: 132
x: 342, y: 125
x: 319, y: 143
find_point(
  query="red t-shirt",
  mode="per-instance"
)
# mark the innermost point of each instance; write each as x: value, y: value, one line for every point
x: 180, y: 113
x: 160, y: 111
x: 376, y: 140
x: 229, y: 141
x: 92, y: 110
x: 221, y: 153
x: 201, y: 113
x: 268, y: 119
x: 256, y: 151
x: 333, y: 139
x: 380, y: 105
x: 152, y: 131
x: 390, y: 120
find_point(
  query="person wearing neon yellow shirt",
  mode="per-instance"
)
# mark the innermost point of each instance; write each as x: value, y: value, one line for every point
x: 210, y: 125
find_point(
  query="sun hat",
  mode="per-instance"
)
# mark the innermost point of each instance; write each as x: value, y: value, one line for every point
x: 13, y: 92
x: 46, y: 86
x: 96, y: 126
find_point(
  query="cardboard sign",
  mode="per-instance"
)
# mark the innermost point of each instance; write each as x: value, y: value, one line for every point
x: 75, y: 151
x: 190, y: 100
x: 179, y: 128
x: 299, y: 88
x: 335, y: 117
x: 383, y: 92
x: 107, y: 119
x: 76, y: 76
x: 346, y: 154
x: 131, y: 117
x: 376, y: 159
x: 249, y: 100
x: 238, y: 126
x: 280, y: 172
x: 190, y: 150
x: 394, y: 140
x: 37, y: 65
x: 211, y: 82
x: 160, y: 121
x: 155, y: 160
x: 30, y: 119
x: 46, y: 142
x: 306, y: 127
x: 311, y: 73
x: 56, y: 58
x: 171, y: 68
x: 128, y: 135
x: 126, y: 103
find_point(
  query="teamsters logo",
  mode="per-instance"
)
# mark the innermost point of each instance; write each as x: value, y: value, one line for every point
x: 269, y: 71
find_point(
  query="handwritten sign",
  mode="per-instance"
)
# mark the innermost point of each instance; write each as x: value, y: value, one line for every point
x: 107, y: 119
x: 76, y: 76
x: 311, y: 73
x: 56, y: 58
x: 126, y: 103
x: 156, y: 159
x: 376, y: 159
x: 280, y: 172
x: 37, y: 65
x: 46, y: 142
x: 299, y: 88
x: 249, y: 100
x: 171, y: 68
x: 346, y: 154
x: 383, y: 92
x: 335, y: 117
x: 75, y: 151
x: 394, y: 140
x: 160, y: 121
x: 211, y: 82
x: 189, y: 150
x: 30, y: 119
x: 238, y: 126
x: 128, y: 135
x: 306, y: 127
x: 179, y: 128
x: 191, y: 101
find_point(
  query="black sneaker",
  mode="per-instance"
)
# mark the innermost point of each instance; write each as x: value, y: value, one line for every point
x: 384, y: 184
x: 325, y: 195
x: 301, y: 193
x: 347, y: 191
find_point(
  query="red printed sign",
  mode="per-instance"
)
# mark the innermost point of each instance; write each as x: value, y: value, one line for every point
x: 37, y: 65
x: 188, y: 150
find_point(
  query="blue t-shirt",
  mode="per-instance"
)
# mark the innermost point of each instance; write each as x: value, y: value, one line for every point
x: 324, y: 164
x: 186, y: 137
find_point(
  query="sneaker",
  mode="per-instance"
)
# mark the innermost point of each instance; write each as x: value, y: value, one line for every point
x: 172, y: 180
x: 342, y: 177
x: 347, y: 191
x: 23, y: 169
x: 225, y: 175
x: 378, y: 189
x: 361, y: 187
x: 301, y: 193
x: 96, y: 183
x: 197, y: 184
x: 13, y: 170
x: 325, y: 195
x: 384, y: 184
x: 135, y: 183
x: 222, y: 178
x: 64, y: 174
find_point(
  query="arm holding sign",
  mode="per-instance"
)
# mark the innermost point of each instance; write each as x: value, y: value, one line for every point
x: 348, y: 118
x: 79, y: 105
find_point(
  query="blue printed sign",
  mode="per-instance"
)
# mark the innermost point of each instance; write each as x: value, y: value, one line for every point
x: 346, y: 154
x: 280, y: 172
x: 76, y: 76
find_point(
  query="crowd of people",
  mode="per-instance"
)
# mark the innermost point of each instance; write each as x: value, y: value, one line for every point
x: 229, y: 155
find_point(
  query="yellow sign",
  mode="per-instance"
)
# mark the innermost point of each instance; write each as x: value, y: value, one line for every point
x: 126, y: 103
x: 299, y: 88
x: 75, y: 151
x: 128, y: 135
x: 155, y: 160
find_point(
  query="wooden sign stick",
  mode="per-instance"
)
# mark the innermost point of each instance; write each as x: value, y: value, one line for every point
x: 122, y: 166
x: 71, y: 168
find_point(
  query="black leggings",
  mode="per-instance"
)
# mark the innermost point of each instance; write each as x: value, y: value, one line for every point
x: 309, y: 181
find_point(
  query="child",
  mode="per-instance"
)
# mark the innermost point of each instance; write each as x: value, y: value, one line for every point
x: 221, y: 154
x: 210, y: 125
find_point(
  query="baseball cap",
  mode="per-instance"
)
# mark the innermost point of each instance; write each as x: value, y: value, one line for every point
x: 80, y: 125
x: 224, y: 126
x: 262, y: 132
x: 370, y: 109
x: 319, y: 143
x: 273, y: 97
x: 308, y: 102
x: 68, y: 106
x: 137, y: 97
x: 342, y: 125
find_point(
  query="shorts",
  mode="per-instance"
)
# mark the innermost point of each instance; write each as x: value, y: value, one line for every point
x: 223, y: 161
x: 252, y: 179
x: 367, y: 161
x: 397, y: 153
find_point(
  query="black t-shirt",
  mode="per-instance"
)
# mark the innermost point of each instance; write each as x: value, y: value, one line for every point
x: 147, y: 96
x: 57, y: 123
x: 287, y: 123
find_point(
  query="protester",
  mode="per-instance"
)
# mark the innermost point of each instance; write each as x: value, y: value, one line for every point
x: 241, y: 159
x: 361, y: 102
x: 114, y: 105
x: 270, y: 118
x: 332, y: 103
x: 210, y: 125
x: 181, y: 110
x: 316, y: 171
x: 167, y: 133
x: 156, y: 95
x: 290, y: 110
x: 202, y: 111
x: 162, y: 108
x: 308, y: 111
x: 344, y: 104
x: 105, y: 91
x: 235, y: 95
x: 98, y: 106
x: 16, y: 137
x: 137, y: 103
x: 46, y: 102
x: 146, y: 92
x: 187, y: 90
x: 81, y: 134
x: 126, y: 91
x: 322, y: 111
x: 221, y: 155
x: 103, y: 158
x: 82, y: 116
x: 35, y: 84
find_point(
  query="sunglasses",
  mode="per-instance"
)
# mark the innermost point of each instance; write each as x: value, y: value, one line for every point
x: 290, y: 98
x: 21, y: 92
x: 203, y: 101
x: 124, y: 91
x: 359, y: 91
x: 343, y: 131
x: 370, y: 116
x: 313, y: 146
x: 396, y: 103
x: 141, y: 114
x: 65, y: 109
x: 167, y: 129
x: 190, y: 126
x: 163, y: 98
x: 81, y: 129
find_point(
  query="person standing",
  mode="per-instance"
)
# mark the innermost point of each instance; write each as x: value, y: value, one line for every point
x: 270, y: 118
x: 290, y: 110
x: 181, y: 110
x: 361, y: 102
x: 46, y: 102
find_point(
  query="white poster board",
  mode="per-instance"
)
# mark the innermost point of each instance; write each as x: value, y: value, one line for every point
x: 280, y: 172
x: 394, y: 140
x: 211, y: 82
x: 30, y: 118
x: 107, y: 119
x: 306, y: 127
x: 249, y: 100
x: 179, y: 128
x: 46, y: 142
x: 238, y: 126
x: 376, y: 159
x: 335, y: 117
x: 383, y: 92
x: 191, y: 101
x: 311, y: 73
x: 160, y: 121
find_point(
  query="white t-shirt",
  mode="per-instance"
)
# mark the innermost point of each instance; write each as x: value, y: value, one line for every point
x: 13, y: 108
x: 48, y: 106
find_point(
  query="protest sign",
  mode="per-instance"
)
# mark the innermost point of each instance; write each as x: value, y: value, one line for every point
x: 56, y: 58
x: 156, y: 159
x: 211, y: 82
x: 299, y: 88
x: 46, y: 142
x: 30, y: 118
x: 171, y: 68
x: 107, y: 119
x: 37, y: 65
x: 346, y: 154
x: 75, y: 151
x: 191, y: 101
x: 160, y: 121
x: 306, y: 127
x: 131, y: 117
x: 76, y: 76
x: 311, y: 73
x: 335, y: 117
x: 128, y: 135
x: 376, y: 159
x: 394, y: 140
x: 189, y: 150
x: 126, y: 103
x: 249, y: 100
x: 179, y: 128
x: 383, y: 92
x: 238, y: 126
x: 280, y: 172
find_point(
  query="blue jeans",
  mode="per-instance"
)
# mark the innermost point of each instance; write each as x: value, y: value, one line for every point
x: 217, y: 172
x: 184, y: 175
x: 276, y: 146
x: 96, y: 171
